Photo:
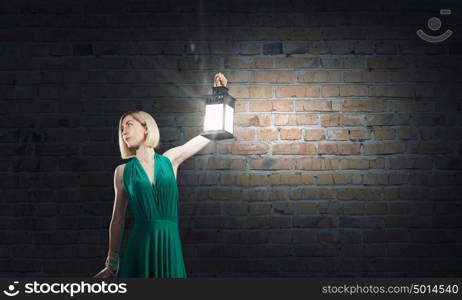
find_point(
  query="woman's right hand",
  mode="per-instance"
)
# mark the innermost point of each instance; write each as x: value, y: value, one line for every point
x: 104, y: 273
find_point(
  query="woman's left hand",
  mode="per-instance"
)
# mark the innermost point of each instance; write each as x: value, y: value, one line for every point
x: 219, y: 80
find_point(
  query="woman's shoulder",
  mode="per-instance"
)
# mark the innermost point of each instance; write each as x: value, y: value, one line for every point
x: 128, y: 160
x: 166, y: 158
x: 120, y: 169
x: 121, y: 166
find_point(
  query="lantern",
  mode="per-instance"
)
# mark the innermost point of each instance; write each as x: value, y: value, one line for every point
x: 219, y: 115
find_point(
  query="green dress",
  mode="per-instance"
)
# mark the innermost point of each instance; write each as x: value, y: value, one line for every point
x: 154, y: 246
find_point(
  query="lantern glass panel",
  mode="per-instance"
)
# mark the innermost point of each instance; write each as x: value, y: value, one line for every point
x: 229, y: 114
x: 213, y: 117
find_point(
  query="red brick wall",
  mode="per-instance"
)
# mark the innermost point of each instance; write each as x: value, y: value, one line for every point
x: 348, y: 132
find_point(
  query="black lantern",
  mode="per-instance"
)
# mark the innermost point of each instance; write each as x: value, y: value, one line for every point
x: 219, y: 115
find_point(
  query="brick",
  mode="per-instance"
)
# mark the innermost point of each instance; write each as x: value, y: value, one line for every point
x: 208, y: 209
x: 387, y: 62
x: 266, y: 106
x: 250, y: 91
x: 198, y: 64
x: 344, y: 90
x: 399, y: 208
x: 290, y: 134
x: 358, y: 194
x: 303, y: 236
x: 412, y: 106
x: 295, y: 47
x: 330, y: 120
x: 244, y: 62
x: 296, y: 62
x: 414, y: 163
x: 268, y: 134
x: 241, y: 106
x: 331, y: 91
x: 380, y: 119
x: 351, y: 149
x: 319, y: 77
x: 291, y: 179
x: 264, y: 222
x: 279, y: 238
x: 332, y: 179
x: 315, y: 222
x: 316, y: 105
x: 270, y: 194
x: 361, y: 76
x: 271, y: 164
x: 294, y: 148
x: 385, y: 134
x: 297, y: 91
x: 351, y: 134
x: 384, y: 148
x: 376, y: 179
x: 353, y: 208
x: 227, y: 47
x: 314, y: 134
x: 249, y: 48
x: 391, y: 91
x: 342, y: 63
x: 245, y: 134
x: 259, y: 209
x: 209, y: 163
x: 362, y: 164
x: 391, y: 235
x: 316, y: 250
x: 246, y: 120
x: 272, y: 48
x: 260, y: 106
x: 364, y: 105
x: 215, y: 222
x: 360, y: 222
x: 317, y: 164
x: 376, y: 208
x: 307, y: 208
x: 295, y: 119
x: 272, y: 77
x: 236, y: 209
x: 244, y: 149
x: 282, y: 106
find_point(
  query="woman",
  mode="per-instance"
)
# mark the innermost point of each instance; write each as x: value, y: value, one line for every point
x: 147, y: 182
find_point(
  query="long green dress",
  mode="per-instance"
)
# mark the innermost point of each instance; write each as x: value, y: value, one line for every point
x: 154, y: 246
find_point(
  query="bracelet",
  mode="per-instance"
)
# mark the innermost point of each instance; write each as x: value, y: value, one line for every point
x: 112, y: 263
x: 112, y: 266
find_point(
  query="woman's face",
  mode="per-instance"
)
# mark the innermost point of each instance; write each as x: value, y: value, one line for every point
x: 133, y: 132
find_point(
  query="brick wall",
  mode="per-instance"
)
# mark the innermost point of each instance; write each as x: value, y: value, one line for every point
x: 348, y: 132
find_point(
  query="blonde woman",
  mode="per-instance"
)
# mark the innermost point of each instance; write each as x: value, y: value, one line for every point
x: 147, y: 184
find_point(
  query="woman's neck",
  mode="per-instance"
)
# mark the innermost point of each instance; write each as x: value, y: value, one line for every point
x: 144, y: 153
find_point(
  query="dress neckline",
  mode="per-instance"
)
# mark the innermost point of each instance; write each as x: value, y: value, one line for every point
x: 153, y: 184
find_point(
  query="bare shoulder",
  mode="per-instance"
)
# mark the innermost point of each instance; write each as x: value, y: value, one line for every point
x: 169, y: 156
x: 119, y: 171
x: 121, y: 167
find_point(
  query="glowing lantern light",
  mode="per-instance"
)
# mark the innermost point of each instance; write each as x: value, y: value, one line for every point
x: 219, y: 115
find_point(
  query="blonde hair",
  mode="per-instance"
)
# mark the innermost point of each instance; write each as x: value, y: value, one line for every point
x: 152, y: 138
